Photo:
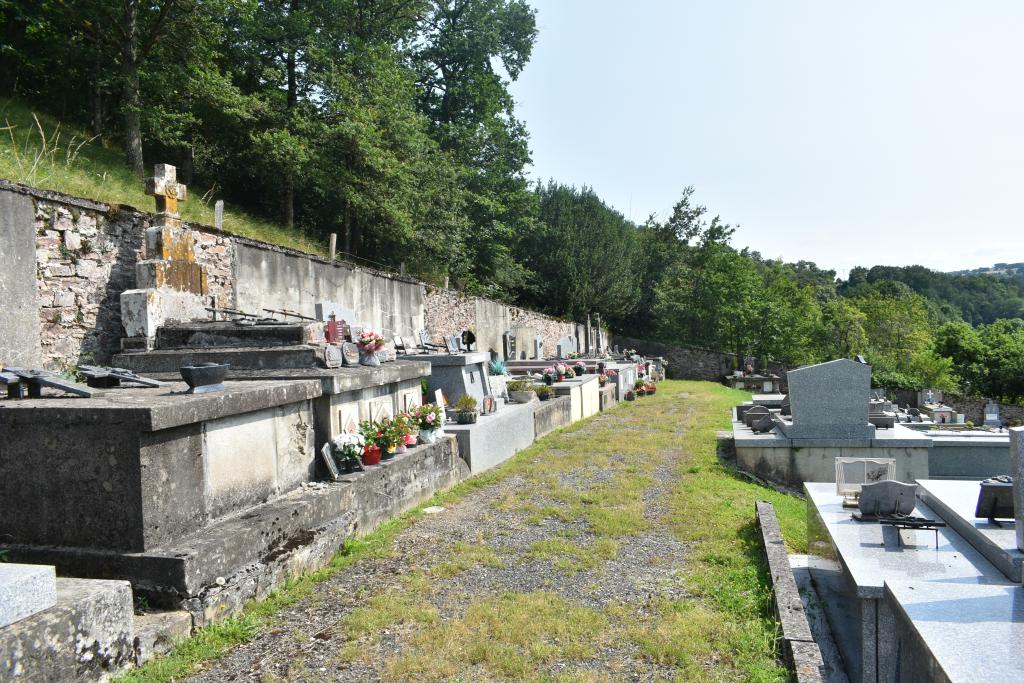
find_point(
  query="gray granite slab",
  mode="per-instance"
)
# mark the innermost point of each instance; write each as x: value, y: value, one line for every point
x: 25, y: 589
x: 871, y: 554
x: 1017, y: 470
x: 955, y: 501
x: 470, y: 358
x: 158, y: 408
x: 970, y: 631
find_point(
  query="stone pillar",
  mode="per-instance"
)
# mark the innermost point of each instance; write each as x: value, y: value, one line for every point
x: 597, y: 335
x: 586, y: 336
x: 1017, y: 470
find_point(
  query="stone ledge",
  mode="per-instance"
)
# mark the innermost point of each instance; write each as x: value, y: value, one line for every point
x: 157, y: 408
x: 212, y: 572
x: 87, y: 635
x: 802, y: 653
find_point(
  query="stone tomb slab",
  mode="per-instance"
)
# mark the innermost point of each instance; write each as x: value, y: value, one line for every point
x: 585, y: 395
x: 458, y: 374
x: 137, y: 467
x: 955, y: 501
x: 854, y: 560
x: 87, y: 634
x: 951, y: 631
x: 497, y: 437
x: 25, y: 589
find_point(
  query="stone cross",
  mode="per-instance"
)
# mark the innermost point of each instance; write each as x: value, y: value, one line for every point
x: 166, y: 189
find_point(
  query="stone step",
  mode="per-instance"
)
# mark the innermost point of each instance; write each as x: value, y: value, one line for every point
x: 217, y: 334
x: 157, y: 632
x: 25, y: 589
x: 86, y: 636
x: 240, y: 358
x: 212, y: 572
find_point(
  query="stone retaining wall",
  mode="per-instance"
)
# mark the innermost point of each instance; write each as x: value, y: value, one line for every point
x: 85, y: 253
x: 691, y: 363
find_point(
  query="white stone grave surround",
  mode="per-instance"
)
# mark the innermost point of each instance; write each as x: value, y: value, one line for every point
x: 25, y: 589
x: 1017, y: 465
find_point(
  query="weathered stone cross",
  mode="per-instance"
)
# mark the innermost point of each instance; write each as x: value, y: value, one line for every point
x: 166, y: 189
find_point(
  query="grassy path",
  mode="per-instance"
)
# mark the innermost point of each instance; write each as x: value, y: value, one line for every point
x: 616, y: 549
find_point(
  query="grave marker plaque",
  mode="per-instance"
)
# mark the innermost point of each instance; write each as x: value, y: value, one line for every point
x: 452, y: 344
x: 350, y: 353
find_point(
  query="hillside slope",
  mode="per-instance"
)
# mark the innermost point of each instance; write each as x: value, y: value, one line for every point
x: 40, y: 151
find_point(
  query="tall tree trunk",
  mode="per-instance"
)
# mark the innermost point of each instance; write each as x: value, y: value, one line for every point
x: 96, y: 101
x: 292, y: 100
x: 348, y: 229
x: 132, y: 98
x: 14, y: 27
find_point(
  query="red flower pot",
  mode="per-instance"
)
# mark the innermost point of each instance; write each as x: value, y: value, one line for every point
x: 371, y: 455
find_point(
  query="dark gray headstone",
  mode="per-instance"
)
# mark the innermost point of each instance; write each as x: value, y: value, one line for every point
x: 754, y: 412
x: 887, y: 498
x: 19, y: 296
x: 350, y: 353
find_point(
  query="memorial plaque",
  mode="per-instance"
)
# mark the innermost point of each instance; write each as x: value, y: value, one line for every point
x: 886, y: 498
x: 333, y: 357
x: 355, y: 331
x: 995, y: 499
x: 350, y: 353
x: 439, y: 398
x: 327, y: 456
x: 409, y: 343
x: 452, y: 344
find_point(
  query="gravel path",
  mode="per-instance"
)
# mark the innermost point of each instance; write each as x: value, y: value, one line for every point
x: 531, y: 534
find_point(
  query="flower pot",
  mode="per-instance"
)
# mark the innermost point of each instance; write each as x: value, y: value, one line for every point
x: 371, y: 455
x: 466, y: 418
x: 522, y: 396
x: 429, y: 435
x: 560, y: 378
x: 388, y: 453
x: 545, y: 397
x: 401, y: 448
x: 549, y: 381
x: 349, y: 466
x: 410, y: 439
x: 369, y: 359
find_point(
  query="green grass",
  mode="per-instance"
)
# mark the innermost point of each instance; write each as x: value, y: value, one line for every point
x: 722, y: 629
x: 39, y: 151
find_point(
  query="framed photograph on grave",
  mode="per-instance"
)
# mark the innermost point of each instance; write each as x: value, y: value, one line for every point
x: 328, y: 459
x: 853, y: 473
x: 488, y: 405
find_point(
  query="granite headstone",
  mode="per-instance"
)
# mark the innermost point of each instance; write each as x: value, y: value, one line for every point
x: 829, y: 401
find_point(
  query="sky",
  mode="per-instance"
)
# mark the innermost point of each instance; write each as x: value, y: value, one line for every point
x: 844, y: 133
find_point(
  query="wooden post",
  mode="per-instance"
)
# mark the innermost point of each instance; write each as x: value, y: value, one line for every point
x: 334, y: 244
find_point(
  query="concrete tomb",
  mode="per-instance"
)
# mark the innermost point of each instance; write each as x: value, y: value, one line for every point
x: 458, y: 374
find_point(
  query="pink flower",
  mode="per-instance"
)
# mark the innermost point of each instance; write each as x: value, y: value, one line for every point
x: 430, y: 417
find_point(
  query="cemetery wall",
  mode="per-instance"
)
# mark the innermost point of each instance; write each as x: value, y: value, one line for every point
x: 689, y: 363
x: 450, y: 312
x: 83, y: 255
x: 973, y: 409
x: 273, y: 277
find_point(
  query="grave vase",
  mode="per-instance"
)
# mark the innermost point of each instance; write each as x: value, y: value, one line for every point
x: 389, y: 452
x: 401, y: 448
x: 371, y: 455
x: 429, y: 436
x: 410, y: 439
x: 369, y: 358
